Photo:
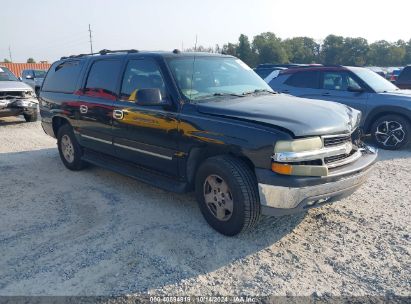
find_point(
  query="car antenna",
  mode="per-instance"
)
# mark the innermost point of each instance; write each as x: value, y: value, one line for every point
x: 194, y: 60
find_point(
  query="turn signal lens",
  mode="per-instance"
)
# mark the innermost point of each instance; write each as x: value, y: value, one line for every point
x: 299, y: 170
x: 281, y: 168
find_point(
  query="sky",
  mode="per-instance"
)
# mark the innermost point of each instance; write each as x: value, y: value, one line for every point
x: 49, y: 29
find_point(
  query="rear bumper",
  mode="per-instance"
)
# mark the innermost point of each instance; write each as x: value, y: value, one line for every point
x: 280, y: 195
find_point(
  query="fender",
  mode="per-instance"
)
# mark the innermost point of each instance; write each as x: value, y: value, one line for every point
x: 384, y: 110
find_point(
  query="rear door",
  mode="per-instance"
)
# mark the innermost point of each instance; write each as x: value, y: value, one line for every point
x: 95, y: 104
x: 335, y: 87
x: 146, y: 135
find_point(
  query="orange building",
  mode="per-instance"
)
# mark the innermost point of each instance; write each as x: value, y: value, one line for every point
x: 17, y: 68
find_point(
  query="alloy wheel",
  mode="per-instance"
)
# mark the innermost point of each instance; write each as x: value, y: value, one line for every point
x: 67, y: 148
x: 218, y: 197
x: 390, y: 133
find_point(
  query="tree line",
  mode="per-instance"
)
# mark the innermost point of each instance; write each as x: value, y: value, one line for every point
x: 333, y: 50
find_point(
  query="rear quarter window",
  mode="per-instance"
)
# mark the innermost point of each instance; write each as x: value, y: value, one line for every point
x: 305, y: 79
x: 63, y: 76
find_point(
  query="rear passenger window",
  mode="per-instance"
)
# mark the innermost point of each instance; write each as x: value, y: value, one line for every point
x: 306, y: 79
x: 141, y: 74
x: 63, y: 76
x: 102, y: 79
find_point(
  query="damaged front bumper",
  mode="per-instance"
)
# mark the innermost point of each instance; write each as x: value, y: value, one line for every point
x: 17, y: 106
x: 280, y: 195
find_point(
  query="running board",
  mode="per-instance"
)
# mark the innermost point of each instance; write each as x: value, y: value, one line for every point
x: 131, y: 170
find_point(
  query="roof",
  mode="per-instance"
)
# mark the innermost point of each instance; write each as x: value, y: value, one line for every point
x: 174, y: 53
x: 315, y: 68
x: 17, y: 68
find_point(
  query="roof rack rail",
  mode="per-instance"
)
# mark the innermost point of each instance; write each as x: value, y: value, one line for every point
x: 102, y: 52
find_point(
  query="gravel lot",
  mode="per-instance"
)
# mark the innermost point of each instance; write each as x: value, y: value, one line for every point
x: 95, y: 232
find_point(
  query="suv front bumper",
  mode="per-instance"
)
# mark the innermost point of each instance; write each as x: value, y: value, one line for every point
x: 281, y: 195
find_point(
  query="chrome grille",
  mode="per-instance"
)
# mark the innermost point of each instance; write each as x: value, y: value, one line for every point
x: 330, y: 141
x: 335, y: 158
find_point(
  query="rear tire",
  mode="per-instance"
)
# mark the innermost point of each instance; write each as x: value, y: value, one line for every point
x: 227, y: 194
x: 69, y: 149
x: 31, y: 117
x: 391, y: 132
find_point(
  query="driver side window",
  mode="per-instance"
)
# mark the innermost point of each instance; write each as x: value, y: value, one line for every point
x: 141, y: 74
x: 338, y: 81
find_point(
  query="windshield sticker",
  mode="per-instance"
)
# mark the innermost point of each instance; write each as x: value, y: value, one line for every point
x: 243, y: 65
x: 1, y: 70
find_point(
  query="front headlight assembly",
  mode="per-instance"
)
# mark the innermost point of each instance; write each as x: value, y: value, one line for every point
x: 299, y: 157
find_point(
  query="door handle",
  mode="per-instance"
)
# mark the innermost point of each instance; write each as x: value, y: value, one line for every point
x: 118, y: 114
x: 285, y: 91
x: 326, y: 94
x: 83, y: 109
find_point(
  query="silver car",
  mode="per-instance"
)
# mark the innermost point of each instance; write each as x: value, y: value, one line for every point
x: 16, y: 97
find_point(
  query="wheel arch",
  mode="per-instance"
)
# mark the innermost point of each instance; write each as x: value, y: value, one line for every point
x: 198, y: 155
x: 380, y: 112
x: 57, y: 122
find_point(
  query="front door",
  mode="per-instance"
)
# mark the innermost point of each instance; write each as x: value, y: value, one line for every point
x: 336, y: 87
x: 145, y: 135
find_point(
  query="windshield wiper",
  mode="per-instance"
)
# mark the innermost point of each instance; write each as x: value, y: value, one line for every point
x: 259, y: 91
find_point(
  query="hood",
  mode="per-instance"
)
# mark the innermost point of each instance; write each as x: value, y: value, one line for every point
x: 403, y: 94
x: 14, y: 86
x: 303, y: 117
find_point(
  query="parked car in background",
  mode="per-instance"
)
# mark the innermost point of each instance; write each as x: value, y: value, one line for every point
x: 264, y: 72
x: 386, y: 109
x: 205, y: 123
x: 33, y: 78
x: 404, y: 78
x: 379, y: 71
x: 16, y: 97
x: 394, y: 75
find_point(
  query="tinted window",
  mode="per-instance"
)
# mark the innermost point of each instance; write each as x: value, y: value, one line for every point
x: 6, y: 75
x: 141, y: 74
x: 63, y: 76
x: 306, y: 79
x: 102, y: 79
x: 39, y: 73
x: 405, y: 74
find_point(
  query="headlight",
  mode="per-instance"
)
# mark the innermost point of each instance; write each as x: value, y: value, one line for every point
x: 28, y: 94
x: 298, y: 145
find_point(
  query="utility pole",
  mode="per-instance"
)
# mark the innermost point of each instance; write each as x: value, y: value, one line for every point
x: 91, y: 40
x: 11, y: 58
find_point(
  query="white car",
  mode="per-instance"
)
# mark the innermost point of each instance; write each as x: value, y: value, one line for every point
x: 16, y: 97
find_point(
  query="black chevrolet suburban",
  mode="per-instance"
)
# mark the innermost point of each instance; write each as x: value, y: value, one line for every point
x: 204, y: 123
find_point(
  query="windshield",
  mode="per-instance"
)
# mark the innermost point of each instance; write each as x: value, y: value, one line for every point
x: 205, y: 77
x: 39, y: 73
x: 375, y: 81
x: 6, y: 75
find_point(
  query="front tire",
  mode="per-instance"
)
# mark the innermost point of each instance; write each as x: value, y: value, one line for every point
x: 227, y: 194
x: 391, y: 132
x: 69, y: 149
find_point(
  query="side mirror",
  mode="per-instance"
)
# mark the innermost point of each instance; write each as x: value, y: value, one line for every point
x: 20, y: 78
x: 149, y: 97
x: 29, y: 77
x: 355, y: 89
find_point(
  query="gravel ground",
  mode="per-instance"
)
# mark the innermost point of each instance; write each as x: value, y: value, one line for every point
x: 95, y: 232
